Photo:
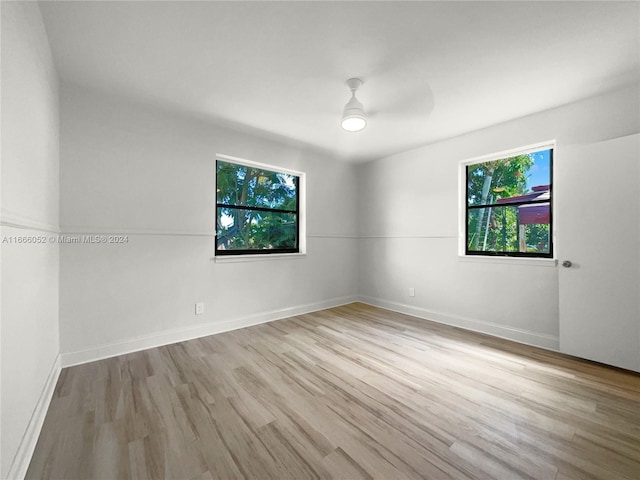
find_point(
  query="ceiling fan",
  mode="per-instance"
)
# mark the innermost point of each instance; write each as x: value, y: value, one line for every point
x: 413, y: 102
x: 353, y: 117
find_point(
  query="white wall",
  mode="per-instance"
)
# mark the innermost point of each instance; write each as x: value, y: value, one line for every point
x: 375, y: 229
x: 148, y: 174
x: 29, y: 292
x: 135, y: 170
x: 408, y: 221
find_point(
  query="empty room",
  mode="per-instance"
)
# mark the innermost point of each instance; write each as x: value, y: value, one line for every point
x: 320, y: 239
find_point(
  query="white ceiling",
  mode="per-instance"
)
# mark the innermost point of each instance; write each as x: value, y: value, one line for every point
x: 431, y: 70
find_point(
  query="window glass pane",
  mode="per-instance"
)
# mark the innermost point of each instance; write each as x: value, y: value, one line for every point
x: 243, y: 185
x: 519, y: 178
x: 241, y: 229
x: 523, y: 229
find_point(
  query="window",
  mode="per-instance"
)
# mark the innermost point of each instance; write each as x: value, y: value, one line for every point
x: 509, y: 205
x: 258, y: 209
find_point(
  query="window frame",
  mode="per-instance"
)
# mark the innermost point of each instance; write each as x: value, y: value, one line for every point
x: 300, y: 213
x: 464, y: 209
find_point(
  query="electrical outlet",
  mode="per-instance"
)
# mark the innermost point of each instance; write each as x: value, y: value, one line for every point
x: 412, y: 292
x: 199, y: 308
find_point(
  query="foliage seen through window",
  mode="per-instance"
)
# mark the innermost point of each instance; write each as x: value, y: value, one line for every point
x: 509, y: 206
x: 257, y: 210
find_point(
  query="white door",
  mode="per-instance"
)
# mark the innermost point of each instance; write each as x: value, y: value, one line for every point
x: 597, y: 198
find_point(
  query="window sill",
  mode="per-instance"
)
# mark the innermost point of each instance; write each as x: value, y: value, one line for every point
x: 533, y: 262
x: 257, y: 258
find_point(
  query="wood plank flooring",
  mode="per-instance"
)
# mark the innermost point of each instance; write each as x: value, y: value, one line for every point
x: 353, y: 392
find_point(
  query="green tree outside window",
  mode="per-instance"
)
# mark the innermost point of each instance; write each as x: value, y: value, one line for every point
x: 509, y: 206
x: 257, y: 210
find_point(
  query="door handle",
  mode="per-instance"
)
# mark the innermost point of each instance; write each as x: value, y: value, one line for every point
x: 567, y: 264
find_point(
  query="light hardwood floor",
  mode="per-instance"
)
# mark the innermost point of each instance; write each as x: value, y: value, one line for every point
x: 351, y: 392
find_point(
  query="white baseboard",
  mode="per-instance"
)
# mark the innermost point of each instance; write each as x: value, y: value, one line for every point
x: 179, y: 335
x: 548, y: 342
x: 20, y: 464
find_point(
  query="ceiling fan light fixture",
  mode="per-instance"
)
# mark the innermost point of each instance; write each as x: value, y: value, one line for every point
x: 353, y: 117
x: 354, y: 122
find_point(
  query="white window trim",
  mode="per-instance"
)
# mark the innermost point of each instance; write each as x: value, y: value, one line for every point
x: 462, y: 208
x: 257, y: 257
x: 302, y: 219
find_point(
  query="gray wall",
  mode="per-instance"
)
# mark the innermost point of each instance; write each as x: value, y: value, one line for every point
x: 373, y: 230
x: 409, y: 207
x: 149, y: 175
x: 29, y: 272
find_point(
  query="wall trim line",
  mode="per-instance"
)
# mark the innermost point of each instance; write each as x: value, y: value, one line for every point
x: 548, y: 342
x: 169, y: 337
x: 332, y: 235
x: 407, y: 236
x: 86, y: 230
x: 22, y: 458
x: 13, y: 219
